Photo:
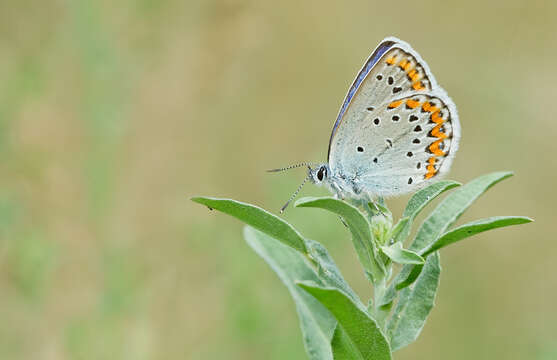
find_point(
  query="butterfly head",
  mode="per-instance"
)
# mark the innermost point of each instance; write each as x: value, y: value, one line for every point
x: 319, y: 174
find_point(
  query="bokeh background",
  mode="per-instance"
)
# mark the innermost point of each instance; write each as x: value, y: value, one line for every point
x: 113, y: 114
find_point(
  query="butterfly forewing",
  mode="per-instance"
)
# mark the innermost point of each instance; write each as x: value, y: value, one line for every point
x: 392, y: 70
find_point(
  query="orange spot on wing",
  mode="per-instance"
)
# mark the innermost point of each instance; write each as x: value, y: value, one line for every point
x: 405, y: 65
x: 413, y: 75
x: 434, y: 148
x: 418, y: 85
x: 427, y: 106
x: 441, y: 136
x: 395, y: 104
x: 438, y: 134
x: 431, y: 168
x: 412, y: 104
x: 436, y: 118
x: 391, y: 60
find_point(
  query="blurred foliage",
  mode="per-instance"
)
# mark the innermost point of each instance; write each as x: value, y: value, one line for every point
x: 113, y: 114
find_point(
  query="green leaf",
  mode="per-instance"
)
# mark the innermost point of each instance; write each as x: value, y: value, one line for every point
x: 327, y: 270
x: 445, y: 215
x: 402, y: 256
x: 474, y: 228
x: 342, y: 347
x: 450, y: 209
x: 361, y: 337
x: 291, y: 266
x: 414, y: 305
x: 408, y: 274
x: 417, y: 202
x: 257, y: 218
x: 380, y: 205
x: 359, y: 228
x: 397, y: 229
x: 415, y: 205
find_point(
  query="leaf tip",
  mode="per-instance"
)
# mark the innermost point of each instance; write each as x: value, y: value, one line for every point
x: 301, y: 202
x: 453, y: 183
x: 202, y: 200
x: 421, y: 261
x: 506, y: 174
x: 306, y: 284
x: 199, y: 199
x: 308, y: 201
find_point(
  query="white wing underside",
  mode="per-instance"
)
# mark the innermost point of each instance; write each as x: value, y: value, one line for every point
x: 399, y: 131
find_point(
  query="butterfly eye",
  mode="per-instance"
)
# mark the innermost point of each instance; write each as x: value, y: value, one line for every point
x: 321, y: 173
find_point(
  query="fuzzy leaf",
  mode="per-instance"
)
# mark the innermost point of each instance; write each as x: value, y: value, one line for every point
x: 445, y: 215
x: 359, y: 228
x: 417, y: 202
x: 409, y: 274
x: 257, y: 218
x: 473, y: 228
x: 380, y: 205
x: 361, y: 337
x: 327, y: 270
x: 400, y: 226
x: 415, y: 205
x: 402, y: 256
x: 316, y: 321
x: 414, y: 305
x: 450, y: 209
x: 341, y: 345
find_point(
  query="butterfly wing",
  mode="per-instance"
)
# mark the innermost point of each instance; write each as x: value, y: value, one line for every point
x: 383, y: 47
x: 400, y: 145
x: 370, y: 140
x: 392, y: 69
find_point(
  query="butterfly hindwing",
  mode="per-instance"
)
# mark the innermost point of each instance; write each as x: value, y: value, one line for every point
x: 401, y: 144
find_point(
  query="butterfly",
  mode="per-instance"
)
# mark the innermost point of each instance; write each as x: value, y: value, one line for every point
x: 397, y: 129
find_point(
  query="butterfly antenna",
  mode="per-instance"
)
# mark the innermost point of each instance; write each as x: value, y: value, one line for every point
x: 295, y: 194
x: 290, y: 167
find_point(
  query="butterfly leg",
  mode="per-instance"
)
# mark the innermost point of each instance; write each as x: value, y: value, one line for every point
x: 337, y: 194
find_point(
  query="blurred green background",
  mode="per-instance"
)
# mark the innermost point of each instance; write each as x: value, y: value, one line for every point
x: 113, y: 114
